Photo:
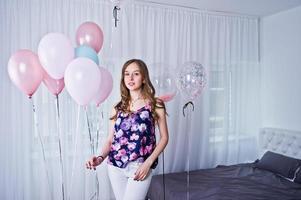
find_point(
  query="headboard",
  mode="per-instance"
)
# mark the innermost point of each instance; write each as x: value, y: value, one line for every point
x: 286, y: 142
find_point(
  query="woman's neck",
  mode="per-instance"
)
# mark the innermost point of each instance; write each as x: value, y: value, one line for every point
x: 135, y: 95
x: 136, y: 98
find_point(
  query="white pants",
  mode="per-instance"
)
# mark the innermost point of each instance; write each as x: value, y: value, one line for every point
x: 123, y: 183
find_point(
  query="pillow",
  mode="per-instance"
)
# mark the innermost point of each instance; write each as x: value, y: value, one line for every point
x: 279, y: 164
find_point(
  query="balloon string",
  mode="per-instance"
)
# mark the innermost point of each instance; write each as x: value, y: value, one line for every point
x: 75, y: 149
x: 60, y: 145
x: 90, y: 135
x: 42, y: 146
x: 93, y: 153
x: 100, y: 119
x: 115, y: 13
x: 188, y: 124
x: 98, y: 128
x: 97, y: 142
x: 111, y: 40
x: 186, y: 105
x: 164, y: 188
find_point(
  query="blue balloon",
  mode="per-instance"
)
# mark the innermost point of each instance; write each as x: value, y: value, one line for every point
x: 87, y: 52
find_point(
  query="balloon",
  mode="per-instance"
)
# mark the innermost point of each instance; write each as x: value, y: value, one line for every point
x: 82, y: 80
x: 90, y: 34
x: 167, y: 97
x: 55, y: 86
x: 164, y: 83
x: 87, y: 52
x: 191, y: 80
x: 25, y: 71
x: 105, y: 87
x: 55, y: 53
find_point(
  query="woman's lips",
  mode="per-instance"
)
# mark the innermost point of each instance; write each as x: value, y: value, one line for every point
x: 131, y: 83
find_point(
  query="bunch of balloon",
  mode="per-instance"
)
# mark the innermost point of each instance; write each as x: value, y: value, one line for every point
x: 86, y: 81
x: 191, y: 81
x: 58, y: 64
x: 26, y: 72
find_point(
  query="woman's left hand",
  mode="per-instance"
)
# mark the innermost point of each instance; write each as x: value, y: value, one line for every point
x: 142, y: 172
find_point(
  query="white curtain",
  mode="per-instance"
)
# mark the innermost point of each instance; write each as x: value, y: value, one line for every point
x: 221, y: 130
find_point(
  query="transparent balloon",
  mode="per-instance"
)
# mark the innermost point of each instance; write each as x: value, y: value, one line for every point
x: 164, y: 83
x: 191, y: 80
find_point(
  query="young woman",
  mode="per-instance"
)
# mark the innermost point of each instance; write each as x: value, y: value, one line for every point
x: 131, y: 145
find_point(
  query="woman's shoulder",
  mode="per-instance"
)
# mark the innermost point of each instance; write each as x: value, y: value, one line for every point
x: 159, y: 103
x: 159, y: 100
x: 115, y: 108
x: 156, y: 100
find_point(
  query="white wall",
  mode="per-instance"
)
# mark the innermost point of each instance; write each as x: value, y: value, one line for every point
x: 281, y: 69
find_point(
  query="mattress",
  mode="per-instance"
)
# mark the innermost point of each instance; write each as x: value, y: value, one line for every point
x: 241, y: 181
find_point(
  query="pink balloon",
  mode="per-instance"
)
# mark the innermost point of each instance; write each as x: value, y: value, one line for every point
x: 105, y: 86
x: 90, y: 34
x: 82, y: 80
x: 167, y: 97
x: 55, y: 86
x: 55, y: 53
x: 25, y: 71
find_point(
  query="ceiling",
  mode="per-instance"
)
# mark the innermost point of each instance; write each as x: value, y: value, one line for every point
x: 259, y: 8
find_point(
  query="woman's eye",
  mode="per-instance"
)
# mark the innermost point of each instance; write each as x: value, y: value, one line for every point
x: 126, y: 74
x: 137, y: 74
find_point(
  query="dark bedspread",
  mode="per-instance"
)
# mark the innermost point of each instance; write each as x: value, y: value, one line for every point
x: 241, y: 181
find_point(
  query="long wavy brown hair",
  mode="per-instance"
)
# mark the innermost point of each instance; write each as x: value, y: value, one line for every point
x: 147, y: 91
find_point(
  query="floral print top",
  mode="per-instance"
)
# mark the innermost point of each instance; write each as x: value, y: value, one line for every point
x: 134, y: 138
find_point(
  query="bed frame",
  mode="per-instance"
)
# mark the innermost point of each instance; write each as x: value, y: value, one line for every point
x: 281, y: 141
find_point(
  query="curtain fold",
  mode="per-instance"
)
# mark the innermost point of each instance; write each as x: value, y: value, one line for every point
x: 223, y: 126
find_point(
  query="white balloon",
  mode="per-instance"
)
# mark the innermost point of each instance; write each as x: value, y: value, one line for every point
x: 82, y: 80
x: 55, y: 52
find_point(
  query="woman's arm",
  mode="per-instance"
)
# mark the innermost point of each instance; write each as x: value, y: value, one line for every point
x: 143, y: 170
x: 97, y: 160
x: 163, y: 129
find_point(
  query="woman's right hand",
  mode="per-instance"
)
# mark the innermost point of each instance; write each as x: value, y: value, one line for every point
x: 94, y: 162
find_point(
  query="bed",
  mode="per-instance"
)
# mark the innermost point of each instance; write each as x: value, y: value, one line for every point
x: 275, y: 176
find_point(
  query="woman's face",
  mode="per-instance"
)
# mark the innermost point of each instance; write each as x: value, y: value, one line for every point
x: 132, y: 77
